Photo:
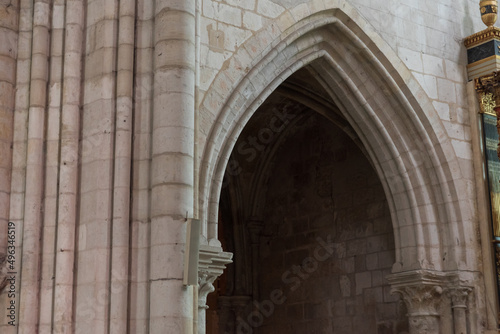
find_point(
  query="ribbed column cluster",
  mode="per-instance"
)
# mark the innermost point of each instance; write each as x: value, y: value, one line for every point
x: 67, y: 218
x: 33, y: 205
x: 122, y: 168
x: 94, y: 267
x: 45, y: 165
x: 102, y: 163
x: 140, y: 228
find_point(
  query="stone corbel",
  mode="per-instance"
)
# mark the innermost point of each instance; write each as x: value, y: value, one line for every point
x: 211, y: 264
x: 205, y: 286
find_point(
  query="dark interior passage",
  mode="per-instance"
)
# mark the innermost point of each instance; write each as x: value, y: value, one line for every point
x: 306, y: 217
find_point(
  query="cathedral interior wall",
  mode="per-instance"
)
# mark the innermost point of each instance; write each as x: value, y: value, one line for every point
x: 70, y: 71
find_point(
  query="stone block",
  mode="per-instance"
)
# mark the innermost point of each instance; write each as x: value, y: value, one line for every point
x: 429, y: 84
x: 433, y: 65
x: 316, y: 310
x: 269, y: 9
x: 343, y: 325
x: 446, y: 90
x: 363, y: 281
x: 463, y: 149
x: 372, y: 262
x: 412, y: 59
x: 252, y: 21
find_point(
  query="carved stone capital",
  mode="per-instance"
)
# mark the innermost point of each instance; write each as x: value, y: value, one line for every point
x: 420, y: 289
x: 420, y: 299
x: 212, y: 262
x: 458, y: 296
x: 422, y: 302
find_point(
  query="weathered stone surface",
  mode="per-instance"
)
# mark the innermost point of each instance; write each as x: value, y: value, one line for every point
x: 119, y: 118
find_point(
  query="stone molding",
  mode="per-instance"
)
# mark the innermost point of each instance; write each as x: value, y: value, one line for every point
x: 482, y: 36
x: 211, y: 265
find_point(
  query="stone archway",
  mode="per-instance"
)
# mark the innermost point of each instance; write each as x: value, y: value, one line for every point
x: 305, y: 215
x: 395, y: 121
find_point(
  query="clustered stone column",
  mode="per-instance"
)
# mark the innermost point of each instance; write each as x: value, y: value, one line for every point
x: 67, y: 209
x: 122, y: 167
x: 33, y: 203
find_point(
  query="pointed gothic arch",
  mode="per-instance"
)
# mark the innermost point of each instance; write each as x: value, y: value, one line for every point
x: 384, y: 104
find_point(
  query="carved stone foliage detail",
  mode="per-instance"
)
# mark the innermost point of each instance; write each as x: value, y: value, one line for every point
x: 422, y: 302
x: 421, y: 299
x: 212, y: 262
x: 459, y: 296
x: 205, y: 286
